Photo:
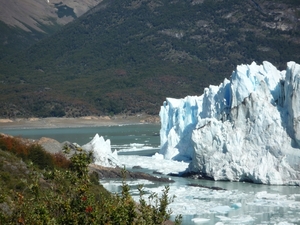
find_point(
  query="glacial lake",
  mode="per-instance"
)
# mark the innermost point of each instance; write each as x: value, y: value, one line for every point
x: 239, y: 203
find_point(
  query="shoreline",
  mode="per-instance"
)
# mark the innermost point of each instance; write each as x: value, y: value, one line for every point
x: 87, y: 121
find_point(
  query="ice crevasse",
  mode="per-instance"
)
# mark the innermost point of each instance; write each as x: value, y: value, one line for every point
x: 245, y: 129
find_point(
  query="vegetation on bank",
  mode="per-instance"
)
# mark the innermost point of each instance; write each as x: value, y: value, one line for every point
x: 128, y: 56
x: 39, y: 188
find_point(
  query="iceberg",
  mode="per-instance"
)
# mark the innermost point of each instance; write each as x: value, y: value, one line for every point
x: 102, y: 153
x: 245, y: 129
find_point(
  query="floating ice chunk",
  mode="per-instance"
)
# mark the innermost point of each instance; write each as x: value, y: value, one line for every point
x: 156, y: 162
x: 134, y: 148
x: 221, y: 209
x: 223, y: 218
x: 158, y: 156
x: 236, y: 205
x: 284, y: 223
x: 136, y: 145
x: 245, y: 219
x: 266, y: 195
x: 200, y: 220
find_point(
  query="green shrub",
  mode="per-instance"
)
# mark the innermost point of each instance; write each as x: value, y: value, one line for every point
x: 20, y: 186
x: 5, y: 176
x: 2, y: 198
x: 69, y: 197
x: 94, y: 178
x: 40, y: 157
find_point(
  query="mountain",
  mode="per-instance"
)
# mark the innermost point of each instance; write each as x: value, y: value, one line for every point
x: 24, y: 22
x: 245, y: 129
x: 127, y: 56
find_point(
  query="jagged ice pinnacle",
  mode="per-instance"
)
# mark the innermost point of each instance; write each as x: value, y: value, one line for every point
x: 245, y: 129
x: 102, y: 152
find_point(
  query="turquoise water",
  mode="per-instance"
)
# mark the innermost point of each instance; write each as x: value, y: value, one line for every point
x: 119, y: 135
x: 241, y: 203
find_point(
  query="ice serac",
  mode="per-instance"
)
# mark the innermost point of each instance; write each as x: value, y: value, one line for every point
x: 101, y: 149
x: 245, y: 129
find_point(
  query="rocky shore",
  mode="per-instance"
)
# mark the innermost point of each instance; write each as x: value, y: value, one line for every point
x: 117, y: 172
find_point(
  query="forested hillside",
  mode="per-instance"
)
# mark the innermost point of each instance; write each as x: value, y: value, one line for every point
x: 128, y: 56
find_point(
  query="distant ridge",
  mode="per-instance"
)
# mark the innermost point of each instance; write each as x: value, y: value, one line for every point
x: 24, y: 22
x: 26, y: 14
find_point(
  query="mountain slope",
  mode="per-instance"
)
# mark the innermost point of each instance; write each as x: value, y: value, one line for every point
x: 23, y: 22
x: 127, y: 56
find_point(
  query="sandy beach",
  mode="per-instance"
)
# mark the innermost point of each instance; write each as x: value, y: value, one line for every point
x: 88, y: 121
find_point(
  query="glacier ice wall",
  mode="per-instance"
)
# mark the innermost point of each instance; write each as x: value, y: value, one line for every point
x: 245, y: 129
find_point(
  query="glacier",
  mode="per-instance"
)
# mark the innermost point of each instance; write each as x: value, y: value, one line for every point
x: 245, y: 129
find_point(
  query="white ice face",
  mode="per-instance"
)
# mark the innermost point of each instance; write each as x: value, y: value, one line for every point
x: 245, y: 129
x: 102, y: 151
